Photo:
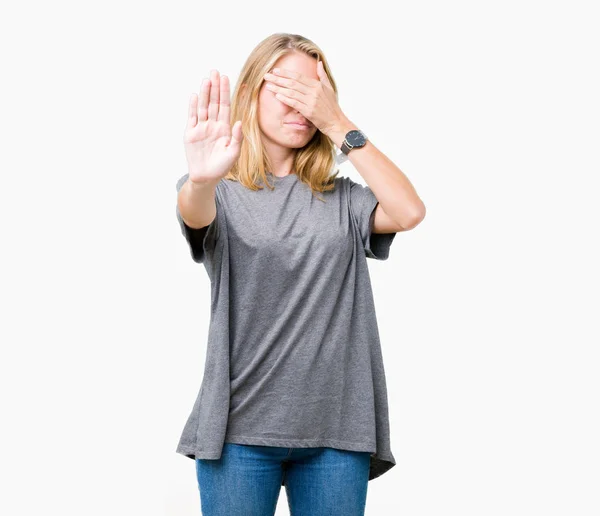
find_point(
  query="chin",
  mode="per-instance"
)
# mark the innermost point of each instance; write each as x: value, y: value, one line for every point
x: 298, y: 146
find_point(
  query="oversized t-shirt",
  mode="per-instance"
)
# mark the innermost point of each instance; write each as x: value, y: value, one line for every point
x: 293, y: 356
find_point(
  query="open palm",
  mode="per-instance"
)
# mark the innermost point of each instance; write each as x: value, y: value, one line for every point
x: 211, y: 146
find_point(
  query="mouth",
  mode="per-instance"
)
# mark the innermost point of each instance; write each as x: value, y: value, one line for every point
x: 303, y: 127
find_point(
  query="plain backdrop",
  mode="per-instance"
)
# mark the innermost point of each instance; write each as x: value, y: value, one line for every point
x: 488, y: 310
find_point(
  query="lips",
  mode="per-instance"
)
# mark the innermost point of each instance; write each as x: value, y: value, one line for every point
x: 297, y: 122
x: 301, y: 126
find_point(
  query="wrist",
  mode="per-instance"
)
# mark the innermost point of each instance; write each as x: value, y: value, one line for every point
x: 338, y: 131
x: 203, y: 182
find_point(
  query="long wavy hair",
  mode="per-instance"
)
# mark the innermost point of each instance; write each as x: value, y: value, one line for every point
x: 314, y: 162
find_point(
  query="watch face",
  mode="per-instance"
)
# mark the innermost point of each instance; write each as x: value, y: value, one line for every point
x: 356, y: 138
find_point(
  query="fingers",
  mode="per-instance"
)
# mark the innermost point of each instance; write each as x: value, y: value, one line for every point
x: 203, y: 101
x: 193, y: 111
x: 213, y: 107
x: 224, y: 106
x: 213, y: 101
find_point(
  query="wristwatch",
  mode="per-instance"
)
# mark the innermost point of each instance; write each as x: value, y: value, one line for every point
x: 354, y: 139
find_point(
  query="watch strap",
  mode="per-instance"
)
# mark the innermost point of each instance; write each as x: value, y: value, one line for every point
x: 341, y: 157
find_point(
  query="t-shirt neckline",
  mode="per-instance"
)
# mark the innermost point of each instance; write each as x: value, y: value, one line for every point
x: 280, y: 178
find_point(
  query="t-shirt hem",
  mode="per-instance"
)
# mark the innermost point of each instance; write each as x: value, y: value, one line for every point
x: 380, y: 464
x: 193, y: 453
x: 301, y: 443
x: 378, y: 245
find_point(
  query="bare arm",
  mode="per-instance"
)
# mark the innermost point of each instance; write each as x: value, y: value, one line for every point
x: 196, y: 202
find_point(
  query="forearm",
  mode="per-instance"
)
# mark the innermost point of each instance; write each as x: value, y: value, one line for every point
x: 390, y: 185
x: 196, y: 203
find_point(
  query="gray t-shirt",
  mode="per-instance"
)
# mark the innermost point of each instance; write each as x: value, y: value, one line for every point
x: 293, y: 355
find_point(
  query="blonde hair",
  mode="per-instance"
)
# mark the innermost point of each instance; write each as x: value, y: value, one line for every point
x: 314, y: 162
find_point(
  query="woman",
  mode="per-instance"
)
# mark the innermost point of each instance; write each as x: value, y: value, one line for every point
x: 294, y: 388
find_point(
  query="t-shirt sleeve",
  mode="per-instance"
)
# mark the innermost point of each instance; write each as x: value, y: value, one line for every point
x: 201, y: 241
x: 363, y: 203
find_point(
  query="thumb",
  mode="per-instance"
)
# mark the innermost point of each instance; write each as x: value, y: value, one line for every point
x: 236, y: 136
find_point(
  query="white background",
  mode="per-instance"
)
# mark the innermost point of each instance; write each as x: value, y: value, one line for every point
x: 488, y: 310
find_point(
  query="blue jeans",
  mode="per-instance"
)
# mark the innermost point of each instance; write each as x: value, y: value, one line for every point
x: 247, y: 479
